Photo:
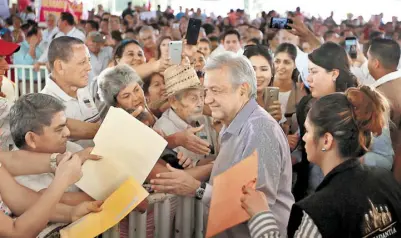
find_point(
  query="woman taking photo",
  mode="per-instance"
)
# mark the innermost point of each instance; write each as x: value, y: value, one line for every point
x: 130, y: 52
x: 353, y: 200
x: 163, y: 47
x: 286, y: 78
x: 262, y: 64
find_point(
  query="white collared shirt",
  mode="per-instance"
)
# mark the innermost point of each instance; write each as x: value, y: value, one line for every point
x: 81, y: 108
x: 387, y: 78
x: 48, y: 37
x: 100, y: 61
x: 74, y: 32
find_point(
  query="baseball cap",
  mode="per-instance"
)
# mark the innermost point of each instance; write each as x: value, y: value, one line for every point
x: 8, y: 48
x: 97, y: 37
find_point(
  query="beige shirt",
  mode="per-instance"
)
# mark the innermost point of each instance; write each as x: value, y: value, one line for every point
x: 170, y: 123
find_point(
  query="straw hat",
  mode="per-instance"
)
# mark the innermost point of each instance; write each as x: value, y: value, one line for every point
x: 178, y: 78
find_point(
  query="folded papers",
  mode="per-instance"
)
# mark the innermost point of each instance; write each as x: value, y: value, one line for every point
x: 128, y: 147
x: 115, y: 208
x: 225, y: 207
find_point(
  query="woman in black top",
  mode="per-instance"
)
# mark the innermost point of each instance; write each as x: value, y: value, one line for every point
x: 353, y: 200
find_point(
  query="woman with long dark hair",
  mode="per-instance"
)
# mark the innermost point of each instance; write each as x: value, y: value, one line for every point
x: 286, y: 78
x: 262, y: 63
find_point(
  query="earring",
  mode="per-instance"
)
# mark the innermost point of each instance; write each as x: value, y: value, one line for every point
x: 324, y: 149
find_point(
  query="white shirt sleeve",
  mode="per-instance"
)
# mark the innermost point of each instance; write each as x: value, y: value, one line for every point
x: 362, y: 73
x: 207, y: 195
x: 301, y: 62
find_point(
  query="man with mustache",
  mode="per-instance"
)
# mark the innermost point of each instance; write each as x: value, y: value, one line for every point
x: 186, y: 97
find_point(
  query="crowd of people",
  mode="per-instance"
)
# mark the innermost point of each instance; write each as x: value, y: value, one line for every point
x: 329, y: 145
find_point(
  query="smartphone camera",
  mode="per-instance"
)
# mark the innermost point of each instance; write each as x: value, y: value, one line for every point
x: 350, y: 47
x: 280, y: 23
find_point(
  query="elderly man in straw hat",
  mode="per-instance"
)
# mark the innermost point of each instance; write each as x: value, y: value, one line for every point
x: 186, y: 97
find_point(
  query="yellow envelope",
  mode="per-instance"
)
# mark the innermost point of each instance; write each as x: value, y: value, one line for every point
x: 128, y: 147
x: 115, y: 208
x: 225, y: 207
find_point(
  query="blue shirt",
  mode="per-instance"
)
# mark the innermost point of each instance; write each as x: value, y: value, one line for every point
x: 22, y: 57
x: 179, y: 15
x: 254, y: 129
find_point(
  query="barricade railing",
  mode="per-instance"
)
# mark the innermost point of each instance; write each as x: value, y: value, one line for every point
x: 24, y: 78
x: 188, y: 219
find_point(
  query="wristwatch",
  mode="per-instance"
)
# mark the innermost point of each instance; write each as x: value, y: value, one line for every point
x: 200, y: 191
x: 53, y: 161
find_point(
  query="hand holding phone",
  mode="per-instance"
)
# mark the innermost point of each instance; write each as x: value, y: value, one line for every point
x: 193, y: 29
x: 351, y: 45
x: 280, y: 23
x: 271, y: 95
x: 175, y: 51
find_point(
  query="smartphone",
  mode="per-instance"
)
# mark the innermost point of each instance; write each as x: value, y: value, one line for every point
x: 175, y: 51
x: 271, y: 95
x: 170, y: 156
x: 193, y: 29
x: 280, y: 23
x: 350, y: 46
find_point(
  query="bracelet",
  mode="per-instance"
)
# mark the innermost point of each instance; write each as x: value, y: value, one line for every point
x: 53, y: 161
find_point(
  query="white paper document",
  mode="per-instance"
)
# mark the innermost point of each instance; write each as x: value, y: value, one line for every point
x: 128, y: 147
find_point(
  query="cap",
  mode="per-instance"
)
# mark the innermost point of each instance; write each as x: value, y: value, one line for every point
x: 97, y: 37
x: 7, y: 48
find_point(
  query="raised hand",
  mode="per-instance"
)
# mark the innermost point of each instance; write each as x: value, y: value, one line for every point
x: 190, y: 141
x: 69, y: 169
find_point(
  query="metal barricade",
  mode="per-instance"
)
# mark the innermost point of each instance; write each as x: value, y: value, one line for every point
x: 24, y: 81
x: 188, y: 219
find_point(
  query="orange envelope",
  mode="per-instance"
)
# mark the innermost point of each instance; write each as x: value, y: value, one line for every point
x: 225, y: 207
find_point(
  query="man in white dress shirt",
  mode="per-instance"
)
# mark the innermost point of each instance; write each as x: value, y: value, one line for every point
x: 50, y: 31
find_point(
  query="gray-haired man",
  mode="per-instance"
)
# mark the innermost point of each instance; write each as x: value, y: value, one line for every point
x: 230, y: 84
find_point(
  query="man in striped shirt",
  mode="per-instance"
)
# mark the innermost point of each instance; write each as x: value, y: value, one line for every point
x: 230, y: 84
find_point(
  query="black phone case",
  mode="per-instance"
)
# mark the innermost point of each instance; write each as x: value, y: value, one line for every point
x: 170, y: 156
x: 193, y: 29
